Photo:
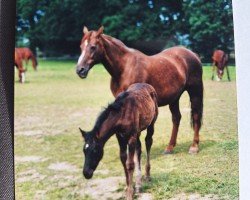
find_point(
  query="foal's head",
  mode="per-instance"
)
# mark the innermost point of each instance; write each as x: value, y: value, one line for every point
x: 91, y: 51
x: 93, y: 151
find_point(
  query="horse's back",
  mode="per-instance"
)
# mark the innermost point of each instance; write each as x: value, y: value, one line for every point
x: 218, y: 55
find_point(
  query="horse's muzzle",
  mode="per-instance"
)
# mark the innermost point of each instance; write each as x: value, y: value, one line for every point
x: 88, y: 174
x: 82, y: 73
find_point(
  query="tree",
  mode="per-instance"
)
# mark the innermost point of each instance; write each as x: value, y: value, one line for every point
x: 210, y: 26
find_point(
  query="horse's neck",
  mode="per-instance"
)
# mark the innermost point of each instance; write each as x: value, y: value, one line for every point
x: 114, y: 56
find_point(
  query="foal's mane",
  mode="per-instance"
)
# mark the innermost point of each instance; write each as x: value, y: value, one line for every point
x: 115, y: 106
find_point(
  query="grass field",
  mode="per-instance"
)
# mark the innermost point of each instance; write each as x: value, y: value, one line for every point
x: 54, y: 102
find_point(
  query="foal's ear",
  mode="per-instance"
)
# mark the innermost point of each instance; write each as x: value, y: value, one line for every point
x: 82, y: 132
x: 100, y: 31
x: 85, y: 30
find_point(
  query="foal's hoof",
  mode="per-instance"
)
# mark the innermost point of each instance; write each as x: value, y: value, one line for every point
x: 193, y: 150
x: 138, y: 190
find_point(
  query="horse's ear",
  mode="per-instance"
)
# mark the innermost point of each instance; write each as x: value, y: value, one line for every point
x: 82, y: 132
x: 85, y: 30
x: 100, y: 31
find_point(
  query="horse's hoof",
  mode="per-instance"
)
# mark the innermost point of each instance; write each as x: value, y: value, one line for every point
x: 147, y: 178
x: 168, y: 151
x: 193, y: 150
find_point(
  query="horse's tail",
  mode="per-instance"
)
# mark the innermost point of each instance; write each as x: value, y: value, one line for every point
x: 34, y: 61
x: 195, y: 90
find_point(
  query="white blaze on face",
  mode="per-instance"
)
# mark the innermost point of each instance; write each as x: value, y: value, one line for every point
x: 83, y: 53
x: 86, y: 146
x: 23, y: 77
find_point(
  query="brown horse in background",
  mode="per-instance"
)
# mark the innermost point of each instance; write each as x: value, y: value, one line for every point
x: 220, y: 62
x: 19, y: 66
x: 170, y: 72
x: 132, y: 112
x: 26, y: 55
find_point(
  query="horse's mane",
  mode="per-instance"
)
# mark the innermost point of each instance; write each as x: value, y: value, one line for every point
x: 115, y: 106
x: 114, y: 40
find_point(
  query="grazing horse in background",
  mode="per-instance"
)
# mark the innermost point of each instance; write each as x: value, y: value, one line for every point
x: 170, y: 72
x: 220, y: 62
x: 133, y: 111
x: 26, y: 55
x: 19, y: 66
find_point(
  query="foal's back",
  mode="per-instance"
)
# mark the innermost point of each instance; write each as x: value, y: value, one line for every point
x: 140, y: 107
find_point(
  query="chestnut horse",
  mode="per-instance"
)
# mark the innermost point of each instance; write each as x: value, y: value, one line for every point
x: 132, y: 112
x: 220, y: 62
x: 26, y: 55
x: 170, y: 72
x: 19, y: 66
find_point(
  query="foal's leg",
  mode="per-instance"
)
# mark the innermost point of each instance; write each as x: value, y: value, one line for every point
x: 137, y: 160
x: 196, y: 97
x: 176, y: 117
x: 228, y: 76
x: 130, y: 166
x: 149, y: 142
x: 123, y: 154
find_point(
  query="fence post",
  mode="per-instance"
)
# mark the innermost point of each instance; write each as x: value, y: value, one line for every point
x: 7, y: 41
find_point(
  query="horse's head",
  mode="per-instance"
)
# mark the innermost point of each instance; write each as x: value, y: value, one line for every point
x: 91, y: 51
x: 93, y: 151
x: 220, y: 73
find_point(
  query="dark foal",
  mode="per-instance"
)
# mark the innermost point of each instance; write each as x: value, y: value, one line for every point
x: 220, y: 62
x: 132, y: 112
x: 170, y: 72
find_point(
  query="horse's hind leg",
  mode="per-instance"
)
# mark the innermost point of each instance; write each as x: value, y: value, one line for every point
x: 149, y: 142
x: 196, y: 98
x: 176, y: 118
x: 137, y: 160
x: 228, y: 76
x: 213, y: 70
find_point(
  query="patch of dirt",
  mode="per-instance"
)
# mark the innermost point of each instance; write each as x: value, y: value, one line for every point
x: 30, y: 175
x: 145, y: 196
x: 40, y: 194
x: 184, y: 196
x: 36, y: 159
x: 63, y: 166
x: 103, y: 189
x: 39, y: 132
x: 111, y: 188
x: 29, y: 133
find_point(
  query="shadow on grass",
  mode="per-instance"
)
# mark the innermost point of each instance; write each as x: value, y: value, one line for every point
x: 182, y: 148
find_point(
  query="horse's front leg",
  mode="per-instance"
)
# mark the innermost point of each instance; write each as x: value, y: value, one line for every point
x: 130, y: 164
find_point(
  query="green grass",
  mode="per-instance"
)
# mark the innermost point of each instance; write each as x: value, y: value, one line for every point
x: 54, y: 102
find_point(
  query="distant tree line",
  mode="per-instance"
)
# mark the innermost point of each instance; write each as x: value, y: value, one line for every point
x: 55, y: 26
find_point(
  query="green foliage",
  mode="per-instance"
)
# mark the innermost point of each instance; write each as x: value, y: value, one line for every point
x: 56, y: 26
x: 210, y: 25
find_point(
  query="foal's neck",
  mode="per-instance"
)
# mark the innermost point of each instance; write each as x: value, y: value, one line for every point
x: 114, y: 56
x: 106, y: 128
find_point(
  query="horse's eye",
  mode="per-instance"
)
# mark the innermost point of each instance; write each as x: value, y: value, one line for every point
x: 92, y: 48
